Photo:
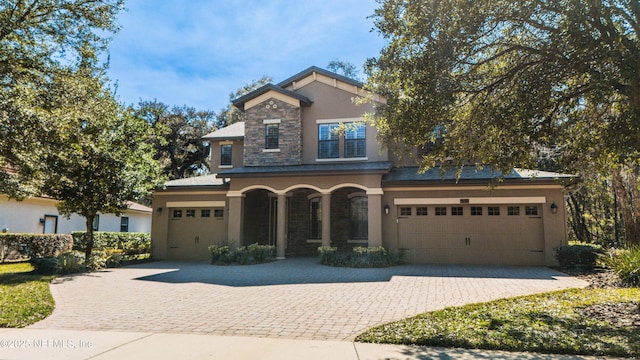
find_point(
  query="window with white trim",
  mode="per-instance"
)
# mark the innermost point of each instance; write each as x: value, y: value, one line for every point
x: 355, y: 143
x: 225, y: 154
x: 328, y: 141
x: 271, y: 136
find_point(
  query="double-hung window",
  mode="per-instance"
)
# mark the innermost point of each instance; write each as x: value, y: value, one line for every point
x: 328, y: 141
x: 271, y: 135
x: 355, y: 141
x: 225, y: 155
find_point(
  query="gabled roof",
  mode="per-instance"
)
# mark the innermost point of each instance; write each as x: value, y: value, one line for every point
x: 309, y: 71
x: 231, y: 132
x: 239, y: 102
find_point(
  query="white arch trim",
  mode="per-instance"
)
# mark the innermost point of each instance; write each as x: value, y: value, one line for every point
x: 369, y: 191
x: 252, y: 187
x: 303, y: 186
x: 336, y: 187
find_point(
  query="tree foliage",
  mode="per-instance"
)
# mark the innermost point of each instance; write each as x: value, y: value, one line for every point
x: 497, y: 81
x: 177, y: 133
x: 231, y: 114
x: 42, y: 42
x: 502, y: 76
x: 98, y: 158
x: 344, y: 68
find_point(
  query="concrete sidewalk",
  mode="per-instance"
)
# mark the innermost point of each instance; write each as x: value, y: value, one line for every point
x: 76, y: 344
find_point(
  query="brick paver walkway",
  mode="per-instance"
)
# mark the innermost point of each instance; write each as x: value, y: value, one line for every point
x: 292, y: 298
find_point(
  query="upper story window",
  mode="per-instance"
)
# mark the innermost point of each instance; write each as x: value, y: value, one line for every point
x: 342, y: 139
x: 355, y: 140
x: 271, y: 136
x: 225, y: 154
x: 328, y: 141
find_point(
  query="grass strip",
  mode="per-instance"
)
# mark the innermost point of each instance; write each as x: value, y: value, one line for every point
x: 543, y: 323
x: 25, y: 298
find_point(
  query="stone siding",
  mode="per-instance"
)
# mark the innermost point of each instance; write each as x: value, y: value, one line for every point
x: 290, y: 134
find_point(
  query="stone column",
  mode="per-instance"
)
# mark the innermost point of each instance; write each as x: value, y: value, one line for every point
x: 281, y: 226
x: 374, y: 200
x: 326, y: 219
x: 236, y: 215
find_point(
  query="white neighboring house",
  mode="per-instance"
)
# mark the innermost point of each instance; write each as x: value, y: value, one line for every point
x: 39, y: 215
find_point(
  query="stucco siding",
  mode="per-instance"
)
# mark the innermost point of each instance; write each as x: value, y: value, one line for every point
x: 24, y: 217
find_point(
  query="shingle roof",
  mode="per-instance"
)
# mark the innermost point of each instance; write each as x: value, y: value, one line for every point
x: 239, y: 102
x: 306, y: 72
x: 344, y: 168
x: 204, y: 180
x: 482, y: 174
x: 139, y: 207
x: 233, y: 131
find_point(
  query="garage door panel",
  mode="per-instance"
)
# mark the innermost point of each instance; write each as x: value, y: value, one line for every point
x: 473, y: 239
x: 190, y: 236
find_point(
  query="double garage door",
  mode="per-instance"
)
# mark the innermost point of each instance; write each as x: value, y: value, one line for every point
x: 192, y: 230
x: 472, y: 233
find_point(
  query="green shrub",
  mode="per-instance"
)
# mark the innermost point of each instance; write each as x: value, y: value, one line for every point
x: 245, y: 255
x: 261, y: 253
x: 38, y: 245
x: 625, y: 263
x: 71, y: 262
x: 45, y: 265
x: 578, y: 256
x: 220, y: 254
x: 327, y: 254
x: 129, y: 243
x: 360, y: 257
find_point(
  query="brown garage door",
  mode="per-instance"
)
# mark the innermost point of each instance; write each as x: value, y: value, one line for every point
x: 192, y: 230
x: 472, y: 234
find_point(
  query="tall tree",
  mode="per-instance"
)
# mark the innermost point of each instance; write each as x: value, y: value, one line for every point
x: 502, y: 77
x: 98, y: 158
x: 230, y: 114
x: 344, y: 68
x: 40, y: 41
x: 177, y: 137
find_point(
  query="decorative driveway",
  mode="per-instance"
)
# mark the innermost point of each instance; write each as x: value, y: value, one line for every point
x: 294, y: 298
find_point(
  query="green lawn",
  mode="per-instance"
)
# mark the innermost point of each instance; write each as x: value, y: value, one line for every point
x: 545, y: 323
x: 25, y: 298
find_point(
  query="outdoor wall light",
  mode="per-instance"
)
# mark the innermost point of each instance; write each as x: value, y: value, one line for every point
x: 41, y: 220
x: 387, y: 209
x: 554, y: 208
x: 159, y: 210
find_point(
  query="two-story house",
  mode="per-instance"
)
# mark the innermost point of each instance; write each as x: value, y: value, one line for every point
x: 304, y: 170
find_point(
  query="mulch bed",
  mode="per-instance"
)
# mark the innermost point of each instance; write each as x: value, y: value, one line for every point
x: 618, y: 314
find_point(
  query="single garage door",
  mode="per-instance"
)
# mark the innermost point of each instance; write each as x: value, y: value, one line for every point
x: 472, y: 234
x: 193, y: 230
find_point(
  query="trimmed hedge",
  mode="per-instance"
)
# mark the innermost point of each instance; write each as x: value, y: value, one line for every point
x: 38, y: 245
x: 129, y: 243
x: 578, y: 256
x: 245, y: 255
x: 360, y: 257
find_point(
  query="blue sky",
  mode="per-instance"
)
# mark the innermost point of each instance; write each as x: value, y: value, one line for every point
x: 196, y: 52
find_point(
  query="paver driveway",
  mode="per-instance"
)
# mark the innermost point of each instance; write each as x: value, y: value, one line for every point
x: 292, y: 298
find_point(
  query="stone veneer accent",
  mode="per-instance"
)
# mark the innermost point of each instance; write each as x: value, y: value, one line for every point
x: 290, y: 134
